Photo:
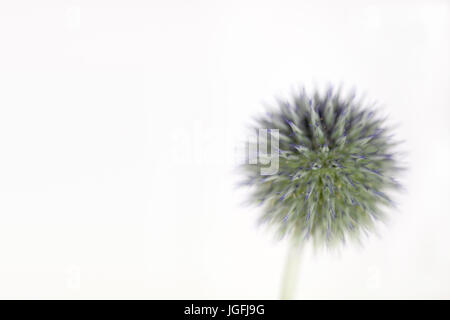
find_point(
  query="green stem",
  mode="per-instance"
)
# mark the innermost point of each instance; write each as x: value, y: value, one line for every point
x: 291, y: 269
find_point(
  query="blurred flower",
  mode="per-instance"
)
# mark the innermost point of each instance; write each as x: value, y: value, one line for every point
x: 336, y: 163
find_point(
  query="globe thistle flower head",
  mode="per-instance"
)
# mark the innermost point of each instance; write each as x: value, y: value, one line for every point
x: 336, y: 163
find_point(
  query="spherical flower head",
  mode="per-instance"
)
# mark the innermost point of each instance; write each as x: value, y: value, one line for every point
x: 336, y: 162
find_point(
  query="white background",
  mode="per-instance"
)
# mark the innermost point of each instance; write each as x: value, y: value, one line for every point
x: 119, y: 130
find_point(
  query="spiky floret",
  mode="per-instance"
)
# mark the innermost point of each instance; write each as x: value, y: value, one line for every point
x: 336, y: 162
